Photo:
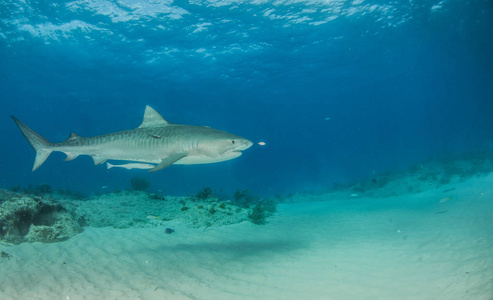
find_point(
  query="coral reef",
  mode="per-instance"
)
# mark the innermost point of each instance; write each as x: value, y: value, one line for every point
x: 48, y: 216
x: 31, y: 218
x: 244, y: 198
x: 140, y: 210
x: 39, y: 190
x: 262, y: 210
x: 426, y: 175
x: 205, y: 193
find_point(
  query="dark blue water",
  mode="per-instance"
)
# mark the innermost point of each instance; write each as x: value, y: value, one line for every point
x: 339, y: 90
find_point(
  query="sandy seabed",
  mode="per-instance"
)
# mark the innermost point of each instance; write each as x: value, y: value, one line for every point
x: 432, y: 245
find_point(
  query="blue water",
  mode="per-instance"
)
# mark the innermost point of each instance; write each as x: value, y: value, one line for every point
x: 338, y: 90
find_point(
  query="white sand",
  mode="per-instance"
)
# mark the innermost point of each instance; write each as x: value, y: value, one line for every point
x: 409, y: 247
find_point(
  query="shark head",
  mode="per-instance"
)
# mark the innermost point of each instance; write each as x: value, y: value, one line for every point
x: 218, y: 145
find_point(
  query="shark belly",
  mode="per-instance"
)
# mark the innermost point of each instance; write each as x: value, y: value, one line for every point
x: 198, y: 159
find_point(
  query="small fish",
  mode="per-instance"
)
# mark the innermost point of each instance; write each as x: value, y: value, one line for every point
x: 445, y: 199
x: 153, y: 217
x: 169, y: 230
x: 131, y: 166
x: 105, y: 187
x: 262, y: 143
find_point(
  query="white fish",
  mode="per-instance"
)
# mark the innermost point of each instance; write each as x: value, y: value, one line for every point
x: 154, y: 141
x: 131, y: 166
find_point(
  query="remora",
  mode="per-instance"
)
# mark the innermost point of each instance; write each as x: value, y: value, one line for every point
x: 154, y: 141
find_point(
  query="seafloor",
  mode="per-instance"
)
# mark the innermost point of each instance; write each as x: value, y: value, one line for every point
x: 421, y: 234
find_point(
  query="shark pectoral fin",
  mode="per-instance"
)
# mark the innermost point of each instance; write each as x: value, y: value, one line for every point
x: 98, y: 159
x: 168, y: 161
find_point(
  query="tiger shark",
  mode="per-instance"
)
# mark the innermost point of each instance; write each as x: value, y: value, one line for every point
x: 155, y: 141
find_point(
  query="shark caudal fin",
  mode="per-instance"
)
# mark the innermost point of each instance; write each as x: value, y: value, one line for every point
x: 39, y: 143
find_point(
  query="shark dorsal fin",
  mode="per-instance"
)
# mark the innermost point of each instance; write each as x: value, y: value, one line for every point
x: 73, y: 136
x: 152, y: 119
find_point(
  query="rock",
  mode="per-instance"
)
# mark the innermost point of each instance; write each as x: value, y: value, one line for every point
x: 4, y: 254
x: 29, y: 218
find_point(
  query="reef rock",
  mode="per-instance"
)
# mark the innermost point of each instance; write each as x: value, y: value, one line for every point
x: 30, y: 218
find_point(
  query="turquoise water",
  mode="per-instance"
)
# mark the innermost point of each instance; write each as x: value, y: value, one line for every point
x: 368, y: 175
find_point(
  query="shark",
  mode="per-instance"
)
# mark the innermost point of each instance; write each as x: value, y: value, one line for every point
x: 155, y: 141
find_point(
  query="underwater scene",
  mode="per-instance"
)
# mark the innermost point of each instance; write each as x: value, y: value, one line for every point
x: 251, y: 149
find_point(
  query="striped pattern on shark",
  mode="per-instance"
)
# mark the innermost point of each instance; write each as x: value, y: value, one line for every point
x: 155, y: 141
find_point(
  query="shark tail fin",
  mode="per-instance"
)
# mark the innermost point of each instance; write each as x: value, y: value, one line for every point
x: 39, y: 143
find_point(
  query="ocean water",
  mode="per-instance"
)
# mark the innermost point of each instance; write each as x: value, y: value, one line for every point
x: 339, y: 92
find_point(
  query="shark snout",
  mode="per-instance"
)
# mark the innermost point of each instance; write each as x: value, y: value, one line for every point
x: 244, y: 144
